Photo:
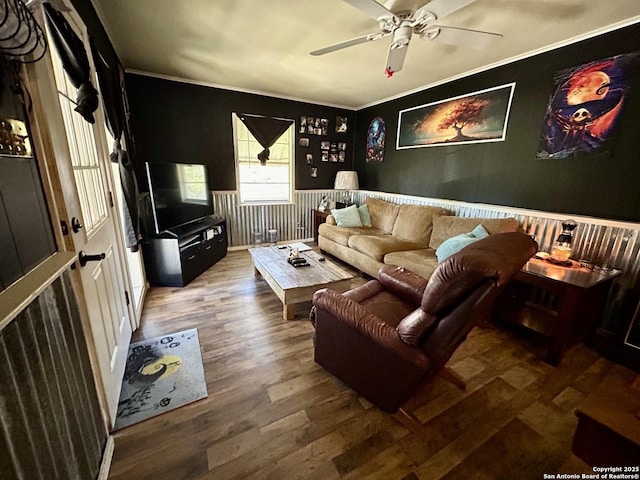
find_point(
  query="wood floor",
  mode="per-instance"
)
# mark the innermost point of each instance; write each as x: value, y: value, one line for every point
x: 272, y: 413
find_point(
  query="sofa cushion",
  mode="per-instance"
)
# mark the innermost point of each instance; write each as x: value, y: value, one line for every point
x: 388, y: 307
x: 347, y: 217
x: 377, y: 246
x: 455, y: 244
x: 415, y: 222
x: 423, y: 261
x: 383, y: 214
x: 365, y: 218
x: 340, y: 235
x: 448, y: 226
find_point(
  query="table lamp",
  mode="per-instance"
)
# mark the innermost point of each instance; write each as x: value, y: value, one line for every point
x: 346, y: 180
x: 561, y: 249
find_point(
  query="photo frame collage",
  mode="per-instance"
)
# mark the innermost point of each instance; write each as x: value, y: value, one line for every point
x: 333, y: 151
x: 314, y: 126
x: 329, y: 151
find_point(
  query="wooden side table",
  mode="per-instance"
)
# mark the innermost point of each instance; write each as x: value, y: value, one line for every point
x: 319, y: 218
x: 577, y: 298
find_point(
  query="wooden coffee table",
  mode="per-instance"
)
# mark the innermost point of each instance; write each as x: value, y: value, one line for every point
x: 295, y: 285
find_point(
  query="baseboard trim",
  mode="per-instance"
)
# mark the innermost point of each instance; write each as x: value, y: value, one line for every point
x: 107, y: 456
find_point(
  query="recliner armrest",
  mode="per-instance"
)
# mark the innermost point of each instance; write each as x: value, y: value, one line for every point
x: 368, y: 325
x: 364, y: 292
x: 403, y: 283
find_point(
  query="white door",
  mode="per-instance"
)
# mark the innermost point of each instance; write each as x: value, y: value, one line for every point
x: 137, y: 284
x: 82, y: 165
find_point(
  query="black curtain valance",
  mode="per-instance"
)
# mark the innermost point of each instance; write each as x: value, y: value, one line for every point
x: 266, y: 131
x: 74, y: 61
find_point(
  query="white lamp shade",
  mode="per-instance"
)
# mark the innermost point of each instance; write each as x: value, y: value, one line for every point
x: 346, y: 180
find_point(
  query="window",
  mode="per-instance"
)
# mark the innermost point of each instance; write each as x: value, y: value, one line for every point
x: 84, y: 152
x: 270, y: 183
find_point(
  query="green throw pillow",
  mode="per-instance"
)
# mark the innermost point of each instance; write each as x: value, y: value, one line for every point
x: 455, y: 244
x: 347, y: 217
x: 365, y: 218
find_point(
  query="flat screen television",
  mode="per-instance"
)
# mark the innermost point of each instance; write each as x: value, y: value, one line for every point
x: 179, y: 193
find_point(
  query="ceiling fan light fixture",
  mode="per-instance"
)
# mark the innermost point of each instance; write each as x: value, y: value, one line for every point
x: 402, y: 35
x: 430, y: 33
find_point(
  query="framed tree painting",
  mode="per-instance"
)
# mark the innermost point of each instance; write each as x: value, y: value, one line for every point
x: 583, y: 114
x: 472, y: 118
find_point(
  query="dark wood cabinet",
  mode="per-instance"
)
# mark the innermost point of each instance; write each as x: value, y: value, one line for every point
x: 319, y: 217
x: 176, y: 257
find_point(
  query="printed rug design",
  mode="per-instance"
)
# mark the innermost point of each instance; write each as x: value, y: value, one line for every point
x: 162, y: 374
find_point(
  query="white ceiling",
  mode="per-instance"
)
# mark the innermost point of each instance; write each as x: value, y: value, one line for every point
x: 263, y: 46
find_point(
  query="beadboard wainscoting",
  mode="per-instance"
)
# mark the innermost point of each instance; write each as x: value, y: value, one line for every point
x: 604, y: 243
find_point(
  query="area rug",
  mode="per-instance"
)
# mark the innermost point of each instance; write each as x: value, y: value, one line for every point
x: 162, y: 374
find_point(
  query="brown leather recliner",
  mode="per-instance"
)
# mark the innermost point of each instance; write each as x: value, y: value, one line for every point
x: 387, y: 337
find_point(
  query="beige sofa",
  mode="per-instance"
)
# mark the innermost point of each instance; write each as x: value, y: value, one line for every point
x: 402, y: 235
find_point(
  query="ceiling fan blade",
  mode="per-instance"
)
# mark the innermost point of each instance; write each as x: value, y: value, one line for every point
x: 395, y: 58
x: 348, y: 43
x: 440, y: 8
x: 460, y: 36
x: 371, y: 7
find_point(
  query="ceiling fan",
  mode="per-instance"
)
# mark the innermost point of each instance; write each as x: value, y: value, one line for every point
x: 403, y: 24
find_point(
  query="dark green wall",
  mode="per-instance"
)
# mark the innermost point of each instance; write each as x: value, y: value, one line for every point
x: 508, y: 173
x: 181, y: 122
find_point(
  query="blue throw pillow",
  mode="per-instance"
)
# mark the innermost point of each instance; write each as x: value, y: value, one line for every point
x: 455, y: 244
x: 365, y: 218
x: 347, y: 217
x: 479, y: 232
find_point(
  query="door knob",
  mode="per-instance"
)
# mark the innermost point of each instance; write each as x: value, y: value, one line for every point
x: 75, y: 225
x: 84, y: 258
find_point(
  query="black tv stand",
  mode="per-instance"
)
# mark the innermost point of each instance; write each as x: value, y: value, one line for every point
x: 177, y: 256
x: 189, y: 241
